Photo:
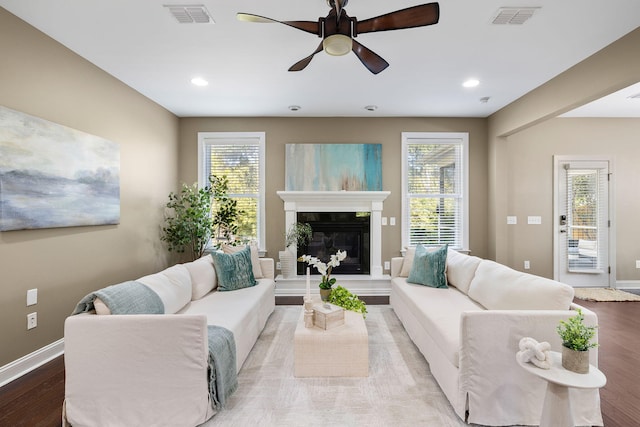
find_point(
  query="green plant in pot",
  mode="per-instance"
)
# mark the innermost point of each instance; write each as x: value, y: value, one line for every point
x: 576, y: 342
x: 299, y: 234
x: 325, y: 270
x: 188, y: 224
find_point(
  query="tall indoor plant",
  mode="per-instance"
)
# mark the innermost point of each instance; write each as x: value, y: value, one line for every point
x: 188, y: 224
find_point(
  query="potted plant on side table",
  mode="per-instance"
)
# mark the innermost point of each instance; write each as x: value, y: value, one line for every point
x: 576, y: 342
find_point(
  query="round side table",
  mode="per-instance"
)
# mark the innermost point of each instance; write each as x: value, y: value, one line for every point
x: 556, y: 410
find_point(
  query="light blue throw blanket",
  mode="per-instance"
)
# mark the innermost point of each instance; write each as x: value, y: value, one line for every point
x: 223, y: 378
x: 124, y: 298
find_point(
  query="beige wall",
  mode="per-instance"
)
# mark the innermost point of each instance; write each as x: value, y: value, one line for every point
x: 530, y: 186
x: 385, y: 131
x: 613, y: 68
x: 42, y: 78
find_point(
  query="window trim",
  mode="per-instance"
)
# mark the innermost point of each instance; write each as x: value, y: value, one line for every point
x: 458, y: 138
x: 228, y: 138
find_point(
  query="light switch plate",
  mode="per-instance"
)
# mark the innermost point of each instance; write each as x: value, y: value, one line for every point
x: 384, y: 220
x: 535, y: 220
x: 32, y: 297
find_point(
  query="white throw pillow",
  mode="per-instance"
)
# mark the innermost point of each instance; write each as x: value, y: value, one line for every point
x: 255, y: 257
x: 407, y: 262
x: 203, y: 276
x: 172, y: 285
x: 461, y: 269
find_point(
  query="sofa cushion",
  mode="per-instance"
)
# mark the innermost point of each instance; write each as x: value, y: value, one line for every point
x: 438, y: 311
x: 428, y: 267
x: 460, y: 269
x: 234, y: 270
x: 203, y: 276
x: 498, y: 287
x: 255, y: 257
x: 172, y: 285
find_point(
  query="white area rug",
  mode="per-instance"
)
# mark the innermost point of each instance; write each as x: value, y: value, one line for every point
x: 400, y: 390
x: 604, y: 294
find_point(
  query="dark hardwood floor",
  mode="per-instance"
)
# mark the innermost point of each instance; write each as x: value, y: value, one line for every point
x: 35, y: 400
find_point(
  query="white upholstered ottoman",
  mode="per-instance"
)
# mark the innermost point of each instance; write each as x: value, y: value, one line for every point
x: 342, y: 351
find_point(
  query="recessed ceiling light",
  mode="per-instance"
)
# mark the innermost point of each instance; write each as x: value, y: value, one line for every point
x: 199, y: 81
x: 471, y: 83
x: 371, y: 107
x: 294, y: 107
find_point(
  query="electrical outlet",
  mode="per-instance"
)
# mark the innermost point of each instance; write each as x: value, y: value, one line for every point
x: 527, y: 265
x: 384, y: 220
x: 278, y: 266
x: 387, y: 265
x: 32, y: 320
x: 638, y: 263
x: 392, y: 220
x: 512, y: 220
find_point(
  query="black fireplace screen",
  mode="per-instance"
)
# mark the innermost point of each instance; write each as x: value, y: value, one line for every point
x: 333, y: 231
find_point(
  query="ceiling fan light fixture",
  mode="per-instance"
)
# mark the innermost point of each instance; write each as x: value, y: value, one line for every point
x: 337, y: 44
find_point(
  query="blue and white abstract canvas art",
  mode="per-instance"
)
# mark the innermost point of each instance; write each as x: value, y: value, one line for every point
x: 333, y: 167
x: 55, y: 176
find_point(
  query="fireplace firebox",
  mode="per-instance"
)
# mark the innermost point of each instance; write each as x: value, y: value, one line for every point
x: 333, y: 231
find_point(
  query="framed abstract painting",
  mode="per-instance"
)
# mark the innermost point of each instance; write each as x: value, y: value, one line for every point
x: 54, y: 176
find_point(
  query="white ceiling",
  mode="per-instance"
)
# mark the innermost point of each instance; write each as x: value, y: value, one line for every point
x: 141, y: 44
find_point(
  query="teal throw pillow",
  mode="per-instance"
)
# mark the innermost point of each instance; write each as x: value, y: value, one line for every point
x: 234, y: 270
x: 429, y: 267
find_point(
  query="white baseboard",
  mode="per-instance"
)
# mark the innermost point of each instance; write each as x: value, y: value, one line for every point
x: 627, y: 284
x: 31, y: 361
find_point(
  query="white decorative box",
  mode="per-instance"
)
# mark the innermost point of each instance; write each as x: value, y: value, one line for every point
x: 327, y: 316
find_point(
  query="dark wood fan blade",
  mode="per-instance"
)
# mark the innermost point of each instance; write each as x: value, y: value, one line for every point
x: 302, y: 64
x: 416, y: 16
x: 307, y: 26
x: 374, y: 62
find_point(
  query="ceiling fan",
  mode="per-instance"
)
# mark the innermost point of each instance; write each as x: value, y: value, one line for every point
x: 338, y: 30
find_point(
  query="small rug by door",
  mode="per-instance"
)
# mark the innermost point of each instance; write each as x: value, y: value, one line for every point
x: 604, y: 294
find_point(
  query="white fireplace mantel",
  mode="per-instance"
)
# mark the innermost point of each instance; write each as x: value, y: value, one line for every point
x: 341, y: 201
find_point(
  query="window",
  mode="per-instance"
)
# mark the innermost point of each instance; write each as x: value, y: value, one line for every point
x: 241, y: 157
x: 435, y: 189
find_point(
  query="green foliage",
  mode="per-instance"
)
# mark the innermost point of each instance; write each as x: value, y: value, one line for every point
x: 299, y: 233
x: 188, y: 225
x: 326, y: 282
x: 226, y: 212
x: 342, y: 297
x: 575, y: 334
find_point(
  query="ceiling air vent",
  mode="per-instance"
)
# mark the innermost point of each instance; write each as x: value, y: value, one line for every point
x: 190, y: 14
x: 513, y: 15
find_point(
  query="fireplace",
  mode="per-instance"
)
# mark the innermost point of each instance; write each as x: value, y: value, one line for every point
x: 333, y: 231
x: 340, y: 202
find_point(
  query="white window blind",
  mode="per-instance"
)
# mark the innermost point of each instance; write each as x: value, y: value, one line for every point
x: 586, y: 225
x: 239, y: 157
x: 435, y: 189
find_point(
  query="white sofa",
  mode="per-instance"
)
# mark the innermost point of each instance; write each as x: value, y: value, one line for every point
x: 469, y: 333
x: 152, y: 369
